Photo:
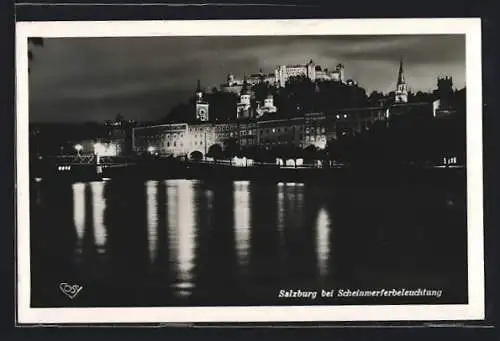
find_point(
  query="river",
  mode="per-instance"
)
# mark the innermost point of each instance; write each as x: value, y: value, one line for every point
x: 129, y: 242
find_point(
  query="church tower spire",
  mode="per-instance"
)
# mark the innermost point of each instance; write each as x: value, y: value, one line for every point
x: 401, y: 75
x: 199, y: 92
x: 201, y: 104
x: 401, y: 87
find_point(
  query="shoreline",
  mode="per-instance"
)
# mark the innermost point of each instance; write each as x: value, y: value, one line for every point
x: 159, y: 170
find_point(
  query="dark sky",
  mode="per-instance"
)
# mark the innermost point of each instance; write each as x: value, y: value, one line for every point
x: 93, y: 79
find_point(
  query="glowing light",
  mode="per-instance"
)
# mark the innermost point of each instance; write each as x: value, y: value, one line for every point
x: 239, y: 162
x: 38, y: 179
x: 79, y: 212
x: 345, y: 115
x: 323, y: 241
x: 101, y: 149
x: 78, y: 147
x: 299, y: 162
x: 290, y: 163
x: 152, y: 217
x: 281, y: 215
x: 279, y: 161
x: 242, y: 221
x: 180, y: 196
x: 98, y: 208
x: 338, y: 116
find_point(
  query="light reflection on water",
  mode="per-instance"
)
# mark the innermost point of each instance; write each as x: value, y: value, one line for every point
x: 79, y: 213
x: 242, y: 208
x: 323, y: 241
x: 152, y: 216
x: 182, y: 226
x: 98, y: 208
x: 265, y: 233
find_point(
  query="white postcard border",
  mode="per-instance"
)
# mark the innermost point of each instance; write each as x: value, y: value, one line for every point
x: 471, y: 27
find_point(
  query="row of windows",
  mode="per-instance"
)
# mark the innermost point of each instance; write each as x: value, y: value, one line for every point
x: 315, y: 138
x: 247, y: 132
x: 283, y: 138
x: 174, y: 144
x: 318, y: 130
x: 279, y: 130
x: 308, y: 130
x: 162, y: 136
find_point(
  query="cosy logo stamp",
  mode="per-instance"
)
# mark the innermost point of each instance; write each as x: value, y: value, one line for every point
x: 70, y: 290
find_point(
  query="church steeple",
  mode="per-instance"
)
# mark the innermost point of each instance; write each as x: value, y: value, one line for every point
x: 199, y: 92
x: 201, y: 105
x: 401, y: 87
x: 244, y: 88
x: 401, y: 75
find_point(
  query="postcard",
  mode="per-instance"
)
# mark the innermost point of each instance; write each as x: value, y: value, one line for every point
x: 249, y: 171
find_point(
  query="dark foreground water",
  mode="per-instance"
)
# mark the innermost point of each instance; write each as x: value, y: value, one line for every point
x: 185, y: 242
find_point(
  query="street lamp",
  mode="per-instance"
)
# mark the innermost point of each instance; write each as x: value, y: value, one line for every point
x: 78, y: 148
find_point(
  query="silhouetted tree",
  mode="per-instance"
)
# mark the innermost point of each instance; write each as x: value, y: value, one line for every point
x: 231, y: 147
x: 33, y: 41
x: 196, y: 155
x: 215, y: 151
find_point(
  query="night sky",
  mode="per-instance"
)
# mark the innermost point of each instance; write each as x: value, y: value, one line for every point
x: 94, y: 79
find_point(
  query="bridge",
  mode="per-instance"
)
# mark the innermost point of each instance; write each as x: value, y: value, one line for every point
x: 78, y: 160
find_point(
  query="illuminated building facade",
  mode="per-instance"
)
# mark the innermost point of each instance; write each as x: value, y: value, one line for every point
x: 315, y: 130
x: 162, y: 139
x: 319, y: 128
x: 201, y: 137
x: 225, y: 131
x: 248, y: 133
x: 281, y: 132
x: 284, y: 72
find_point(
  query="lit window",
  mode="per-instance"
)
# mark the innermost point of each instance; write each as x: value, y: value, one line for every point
x: 274, y: 130
x: 338, y: 116
x: 345, y: 115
